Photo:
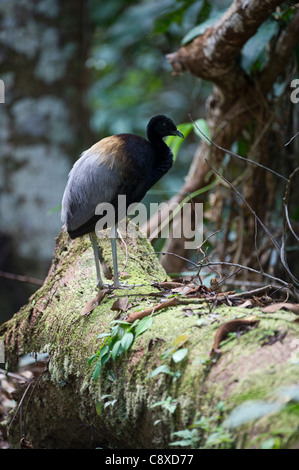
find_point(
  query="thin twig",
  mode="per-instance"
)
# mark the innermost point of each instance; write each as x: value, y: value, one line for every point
x: 17, y: 277
x: 235, y: 154
x: 226, y: 263
x: 173, y: 254
x: 19, y: 405
x: 280, y: 249
x: 285, y: 204
x: 292, y: 138
x: 13, y: 375
x: 199, y: 248
x: 225, y: 279
x: 28, y: 401
x: 274, y: 241
x: 252, y: 292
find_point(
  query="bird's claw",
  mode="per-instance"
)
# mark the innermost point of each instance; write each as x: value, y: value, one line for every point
x: 117, y: 286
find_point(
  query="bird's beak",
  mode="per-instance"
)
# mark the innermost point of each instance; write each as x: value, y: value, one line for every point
x: 178, y: 133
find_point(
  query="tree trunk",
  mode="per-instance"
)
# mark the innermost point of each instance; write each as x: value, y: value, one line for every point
x: 44, y: 127
x: 65, y: 408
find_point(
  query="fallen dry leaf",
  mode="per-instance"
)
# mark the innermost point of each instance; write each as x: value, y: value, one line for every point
x: 246, y: 303
x: 184, y: 289
x: 229, y: 327
x: 148, y: 311
x: 93, y: 303
x: 281, y: 305
x: 168, y: 285
x: 121, y: 304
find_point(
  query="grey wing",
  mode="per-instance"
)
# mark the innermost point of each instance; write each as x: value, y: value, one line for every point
x: 90, y: 183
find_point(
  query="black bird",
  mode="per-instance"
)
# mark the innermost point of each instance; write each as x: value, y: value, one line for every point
x: 123, y: 164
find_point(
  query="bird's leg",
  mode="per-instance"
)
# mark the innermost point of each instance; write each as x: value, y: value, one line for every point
x: 95, y: 247
x: 113, y: 235
x: 117, y: 285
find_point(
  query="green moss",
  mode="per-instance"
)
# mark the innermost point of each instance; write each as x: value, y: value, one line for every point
x: 52, y: 322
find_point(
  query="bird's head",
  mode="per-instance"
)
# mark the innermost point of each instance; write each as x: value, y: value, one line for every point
x: 162, y: 126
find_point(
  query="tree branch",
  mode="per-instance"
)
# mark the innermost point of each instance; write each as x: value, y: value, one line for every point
x: 212, y: 55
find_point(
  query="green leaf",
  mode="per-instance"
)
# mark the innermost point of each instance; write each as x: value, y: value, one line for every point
x: 202, y: 27
x: 189, y: 438
x: 114, y: 330
x: 163, y: 369
x: 176, y: 375
x: 254, y: 49
x: 107, y: 395
x: 110, y: 376
x: 202, y: 125
x: 269, y: 444
x: 167, y: 353
x: 127, y: 340
x: 105, y: 358
x: 179, y: 354
x: 143, y: 325
x: 115, y: 349
x: 97, y: 371
x: 122, y: 330
x: 220, y: 436
x: 175, y: 142
x: 103, y: 335
x: 183, y: 443
x: 104, y: 350
x: 92, y: 359
x: 184, y: 433
x: 99, y: 408
x: 110, y: 403
x: 134, y: 324
x: 169, y: 404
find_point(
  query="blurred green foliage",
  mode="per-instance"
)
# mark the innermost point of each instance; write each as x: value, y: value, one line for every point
x: 132, y: 78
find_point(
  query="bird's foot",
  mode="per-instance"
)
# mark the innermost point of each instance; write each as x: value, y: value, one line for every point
x: 102, y: 285
x: 115, y: 285
x: 126, y: 286
x: 112, y: 286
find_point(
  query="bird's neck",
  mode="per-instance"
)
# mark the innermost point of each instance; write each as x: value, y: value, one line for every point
x: 162, y: 150
x: 163, y: 160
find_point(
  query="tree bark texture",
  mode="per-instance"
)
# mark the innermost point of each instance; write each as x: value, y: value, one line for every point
x: 44, y: 125
x: 64, y: 408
